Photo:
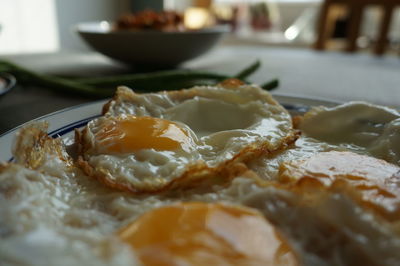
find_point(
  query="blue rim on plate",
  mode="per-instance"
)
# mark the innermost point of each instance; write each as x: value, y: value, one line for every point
x: 7, y: 82
x: 62, y: 123
x: 44, y: 117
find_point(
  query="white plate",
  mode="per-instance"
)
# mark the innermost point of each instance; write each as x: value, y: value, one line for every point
x: 63, y: 122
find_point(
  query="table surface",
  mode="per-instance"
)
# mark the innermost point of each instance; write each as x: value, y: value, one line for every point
x: 327, y: 75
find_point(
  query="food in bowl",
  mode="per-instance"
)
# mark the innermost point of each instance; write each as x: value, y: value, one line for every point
x: 282, y: 194
x: 151, y: 20
x: 168, y: 21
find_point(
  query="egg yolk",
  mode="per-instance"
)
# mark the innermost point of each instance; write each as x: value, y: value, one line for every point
x: 206, y: 234
x: 127, y: 134
x: 377, y: 181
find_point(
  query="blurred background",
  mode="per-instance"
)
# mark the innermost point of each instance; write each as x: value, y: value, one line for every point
x: 335, y: 50
x: 37, y: 26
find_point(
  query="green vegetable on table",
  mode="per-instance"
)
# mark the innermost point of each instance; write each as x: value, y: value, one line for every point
x: 147, y: 82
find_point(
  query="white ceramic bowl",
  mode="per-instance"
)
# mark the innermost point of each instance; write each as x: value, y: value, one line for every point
x: 149, y: 47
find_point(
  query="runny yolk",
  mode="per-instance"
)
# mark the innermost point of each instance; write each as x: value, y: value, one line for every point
x: 130, y: 133
x: 206, y: 234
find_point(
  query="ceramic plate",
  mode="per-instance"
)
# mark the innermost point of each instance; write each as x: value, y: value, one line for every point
x: 63, y: 122
x: 7, y: 82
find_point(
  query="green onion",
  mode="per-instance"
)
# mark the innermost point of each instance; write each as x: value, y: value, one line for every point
x: 248, y: 70
x: 270, y: 85
x: 147, y: 82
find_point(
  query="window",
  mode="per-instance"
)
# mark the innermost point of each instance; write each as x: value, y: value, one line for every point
x: 28, y: 26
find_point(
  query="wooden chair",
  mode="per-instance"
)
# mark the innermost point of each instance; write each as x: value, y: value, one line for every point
x: 355, y: 9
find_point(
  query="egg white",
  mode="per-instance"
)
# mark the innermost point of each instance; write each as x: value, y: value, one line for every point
x: 357, y: 126
x: 47, y: 220
x: 328, y: 227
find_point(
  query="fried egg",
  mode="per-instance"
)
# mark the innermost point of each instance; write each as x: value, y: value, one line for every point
x: 197, y: 233
x: 167, y: 140
x: 358, y: 127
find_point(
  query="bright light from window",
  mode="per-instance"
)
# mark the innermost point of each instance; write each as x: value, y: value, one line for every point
x: 197, y: 18
x: 291, y: 33
x: 255, y: 1
x: 28, y: 26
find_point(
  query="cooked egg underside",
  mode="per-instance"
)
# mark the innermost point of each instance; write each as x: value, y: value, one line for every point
x: 48, y: 220
x: 73, y: 220
x: 328, y: 227
x: 214, y: 128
